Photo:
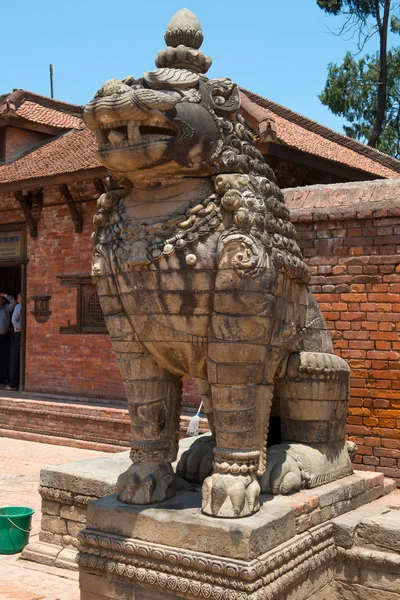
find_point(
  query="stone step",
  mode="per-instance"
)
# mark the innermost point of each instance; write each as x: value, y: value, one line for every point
x: 373, y: 526
x: 71, y: 422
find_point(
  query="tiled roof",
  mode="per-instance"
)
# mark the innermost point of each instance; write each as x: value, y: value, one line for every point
x: 41, y: 109
x: 76, y: 150
x: 72, y: 151
x: 305, y: 135
x: 48, y: 116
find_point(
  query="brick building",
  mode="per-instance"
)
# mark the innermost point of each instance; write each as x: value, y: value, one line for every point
x: 50, y: 180
x: 350, y: 236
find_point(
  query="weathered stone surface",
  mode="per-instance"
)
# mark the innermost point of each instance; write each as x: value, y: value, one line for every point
x: 199, y: 273
x: 180, y: 523
x: 50, y: 538
x: 92, y: 477
x: 53, y: 525
x: 50, y: 508
x: 381, y: 531
x: 317, y: 585
x: 66, y: 559
x: 73, y: 528
x: 41, y: 552
x: 73, y: 513
x: 83, y: 501
x: 359, y: 592
x: 54, y: 494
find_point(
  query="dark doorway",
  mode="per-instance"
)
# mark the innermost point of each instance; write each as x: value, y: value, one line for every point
x: 10, y: 284
x: 10, y: 280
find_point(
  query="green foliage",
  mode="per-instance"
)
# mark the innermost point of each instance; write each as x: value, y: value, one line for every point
x: 359, y: 8
x: 366, y: 90
x: 351, y: 91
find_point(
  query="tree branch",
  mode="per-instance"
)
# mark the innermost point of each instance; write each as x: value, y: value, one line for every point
x: 383, y: 24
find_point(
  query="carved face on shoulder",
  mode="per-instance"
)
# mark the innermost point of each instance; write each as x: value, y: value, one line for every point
x: 167, y: 124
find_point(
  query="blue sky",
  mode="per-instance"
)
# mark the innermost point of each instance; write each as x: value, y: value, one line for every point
x: 277, y: 48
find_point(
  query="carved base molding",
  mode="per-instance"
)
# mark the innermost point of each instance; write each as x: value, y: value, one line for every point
x: 301, y: 547
x: 196, y: 575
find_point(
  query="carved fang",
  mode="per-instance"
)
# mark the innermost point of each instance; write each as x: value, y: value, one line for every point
x: 134, y: 135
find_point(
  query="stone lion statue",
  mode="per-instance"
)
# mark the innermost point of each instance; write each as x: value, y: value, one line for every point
x: 199, y: 274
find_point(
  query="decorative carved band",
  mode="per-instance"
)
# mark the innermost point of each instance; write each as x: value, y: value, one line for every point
x: 149, y: 452
x: 235, y: 462
x: 205, y: 576
x: 148, y: 456
x: 388, y: 562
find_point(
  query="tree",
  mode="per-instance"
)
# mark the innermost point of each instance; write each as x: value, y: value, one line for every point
x: 365, y: 91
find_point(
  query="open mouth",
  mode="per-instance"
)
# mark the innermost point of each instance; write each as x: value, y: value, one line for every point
x: 130, y: 133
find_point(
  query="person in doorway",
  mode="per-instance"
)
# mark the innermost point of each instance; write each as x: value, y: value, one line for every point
x: 7, y: 304
x: 15, y: 347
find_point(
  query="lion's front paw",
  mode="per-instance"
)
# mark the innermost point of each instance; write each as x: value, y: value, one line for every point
x: 231, y: 496
x: 146, y: 484
x: 282, y: 475
x: 196, y: 463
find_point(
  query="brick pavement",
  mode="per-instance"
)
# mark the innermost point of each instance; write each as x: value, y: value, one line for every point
x: 20, y: 464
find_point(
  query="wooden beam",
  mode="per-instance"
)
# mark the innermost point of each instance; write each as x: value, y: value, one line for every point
x: 41, y: 182
x: 300, y: 176
x: 99, y: 185
x: 75, y: 214
x: 30, y: 221
x: 22, y: 123
x: 315, y: 162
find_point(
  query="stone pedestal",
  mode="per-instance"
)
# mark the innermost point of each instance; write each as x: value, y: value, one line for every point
x: 301, y: 547
x: 66, y: 491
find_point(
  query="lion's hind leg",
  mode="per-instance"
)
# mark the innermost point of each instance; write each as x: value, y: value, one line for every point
x: 313, y: 408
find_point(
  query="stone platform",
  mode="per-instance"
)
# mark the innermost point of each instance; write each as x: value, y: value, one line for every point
x: 336, y: 541
x: 66, y: 491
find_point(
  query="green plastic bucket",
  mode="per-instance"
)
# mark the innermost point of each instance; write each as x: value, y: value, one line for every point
x: 15, y: 527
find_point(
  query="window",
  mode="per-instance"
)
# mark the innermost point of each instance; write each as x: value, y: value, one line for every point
x: 89, y: 316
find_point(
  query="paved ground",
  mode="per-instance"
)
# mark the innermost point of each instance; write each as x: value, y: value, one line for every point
x: 20, y: 464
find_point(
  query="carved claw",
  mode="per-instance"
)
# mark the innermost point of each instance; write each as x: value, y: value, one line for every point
x: 196, y: 463
x: 230, y: 496
x: 351, y: 449
x: 282, y: 475
x: 146, y: 484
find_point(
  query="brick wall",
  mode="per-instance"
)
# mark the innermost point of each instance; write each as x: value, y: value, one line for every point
x: 350, y: 237
x: 67, y: 364
x: 19, y: 140
x: 77, y: 365
x: 349, y: 234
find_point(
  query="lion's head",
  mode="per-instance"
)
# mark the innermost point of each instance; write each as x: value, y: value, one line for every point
x: 174, y: 122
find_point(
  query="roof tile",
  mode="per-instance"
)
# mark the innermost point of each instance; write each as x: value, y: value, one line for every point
x: 310, y: 137
x: 48, y: 116
x: 72, y: 151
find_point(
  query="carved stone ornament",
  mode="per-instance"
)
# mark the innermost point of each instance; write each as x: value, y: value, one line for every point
x: 199, y: 274
x: 188, y: 574
x: 41, y: 310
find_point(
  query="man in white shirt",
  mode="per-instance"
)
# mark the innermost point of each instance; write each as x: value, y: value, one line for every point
x: 15, y: 347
